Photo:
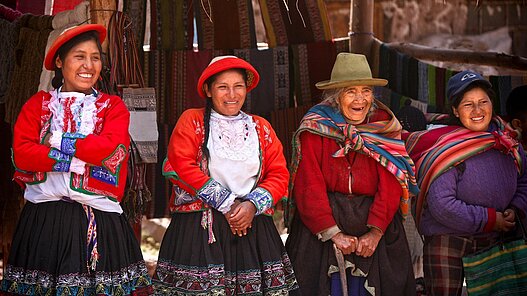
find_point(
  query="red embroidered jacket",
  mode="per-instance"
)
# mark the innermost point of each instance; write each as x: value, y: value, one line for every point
x: 105, y: 151
x: 185, y: 166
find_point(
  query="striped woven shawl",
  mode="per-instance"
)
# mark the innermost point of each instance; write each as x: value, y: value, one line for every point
x: 438, y: 150
x: 380, y: 140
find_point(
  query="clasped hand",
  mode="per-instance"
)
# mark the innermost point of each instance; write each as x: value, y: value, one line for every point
x: 240, y: 217
x: 364, y: 246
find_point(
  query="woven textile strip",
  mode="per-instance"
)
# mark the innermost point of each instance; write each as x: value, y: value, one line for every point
x: 175, y: 24
x: 9, y: 37
x: 312, y: 63
x: 438, y: 150
x: 136, y: 10
x: 380, y: 140
x: 501, y: 270
x: 273, y: 92
x: 300, y: 22
x: 225, y: 25
x: 30, y: 48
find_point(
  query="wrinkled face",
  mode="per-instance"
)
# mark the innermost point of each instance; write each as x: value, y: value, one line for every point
x: 475, y: 110
x: 81, y: 67
x: 228, y: 92
x: 355, y: 103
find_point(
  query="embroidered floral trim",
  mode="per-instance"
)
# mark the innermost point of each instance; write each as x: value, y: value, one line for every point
x: 234, y: 138
x: 68, y: 142
x: 214, y: 194
x: 63, y: 161
x: 125, y: 281
x: 181, y: 196
x: 274, y: 278
x: 113, y: 162
x: 261, y: 198
x: 103, y: 175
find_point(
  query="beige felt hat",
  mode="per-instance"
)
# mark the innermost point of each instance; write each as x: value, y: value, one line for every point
x: 350, y: 69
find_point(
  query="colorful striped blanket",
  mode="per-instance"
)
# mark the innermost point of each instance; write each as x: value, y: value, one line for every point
x: 438, y: 150
x: 380, y: 140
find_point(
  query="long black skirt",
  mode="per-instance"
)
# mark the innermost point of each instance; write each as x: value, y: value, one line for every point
x: 389, y: 271
x: 254, y: 264
x: 50, y: 256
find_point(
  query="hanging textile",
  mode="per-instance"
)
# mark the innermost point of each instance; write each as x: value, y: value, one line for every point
x: 9, y: 36
x: 295, y: 22
x: 225, y: 25
x: 273, y: 91
x: 311, y: 62
x: 136, y: 10
x: 29, y: 57
x: 35, y: 7
x: 174, y: 24
x: 63, y: 5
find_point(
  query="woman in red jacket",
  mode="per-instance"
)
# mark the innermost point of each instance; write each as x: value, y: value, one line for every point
x: 228, y: 171
x: 70, y: 150
x: 351, y: 175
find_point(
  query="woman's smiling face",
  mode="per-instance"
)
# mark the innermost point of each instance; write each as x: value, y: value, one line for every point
x: 475, y: 110
x: 355, y: 103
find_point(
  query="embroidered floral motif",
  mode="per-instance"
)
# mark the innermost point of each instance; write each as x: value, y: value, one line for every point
x: 234, y: 138
x: 181, y: 196
x: 130, y: 279
x: 103, y: 175
x: 112, y: 163
x: 214, y: 193
x: 261, y: 199
x: 61, y: 167
x: 274, y: 278
x: 59, y: 156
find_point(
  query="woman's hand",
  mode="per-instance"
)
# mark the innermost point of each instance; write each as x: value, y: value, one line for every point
x: 368, y: 242
x: 346, y: 243
x: 505, y: 221
x: 240, y: 217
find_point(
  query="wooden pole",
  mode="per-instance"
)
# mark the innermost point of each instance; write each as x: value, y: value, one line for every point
x: 461, y: 56
x: 361, y: 34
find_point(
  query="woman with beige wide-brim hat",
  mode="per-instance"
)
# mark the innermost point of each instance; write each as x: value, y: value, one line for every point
x: 351, y: 184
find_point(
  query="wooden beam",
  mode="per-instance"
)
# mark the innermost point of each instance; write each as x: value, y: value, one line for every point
x: 100, y: 12
x: 461, y: 56
x: 361, y: 35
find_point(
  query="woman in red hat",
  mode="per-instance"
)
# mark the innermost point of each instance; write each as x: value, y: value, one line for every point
x: 70, y: 149
x: 228, y: 171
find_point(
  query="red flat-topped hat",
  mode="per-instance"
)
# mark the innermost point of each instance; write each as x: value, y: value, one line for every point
x: 222, y: 63
x: 65, y: 36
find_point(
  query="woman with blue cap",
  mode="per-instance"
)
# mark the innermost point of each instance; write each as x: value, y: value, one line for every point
x: 472, y: 179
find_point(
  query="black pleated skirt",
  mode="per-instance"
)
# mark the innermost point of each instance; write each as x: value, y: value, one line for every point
x: 254, y: 264
x: 49, y: 254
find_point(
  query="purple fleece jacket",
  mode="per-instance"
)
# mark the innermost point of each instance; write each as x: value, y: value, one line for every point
x: 460, y: 201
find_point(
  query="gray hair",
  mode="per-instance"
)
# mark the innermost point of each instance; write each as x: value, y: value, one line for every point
x: 331, y: 97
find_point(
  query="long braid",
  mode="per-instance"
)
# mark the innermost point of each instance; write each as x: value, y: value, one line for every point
x: 206, y: 124
x: 57, y: 80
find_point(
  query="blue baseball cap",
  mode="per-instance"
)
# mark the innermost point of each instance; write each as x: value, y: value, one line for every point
x: 459, y: 82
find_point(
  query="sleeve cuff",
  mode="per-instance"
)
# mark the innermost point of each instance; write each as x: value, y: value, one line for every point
x: 327, y: 234
x: 261, y: 199
x: 226, y: 205
x: 491, y: 221
x: 56, y: 139
x: 77, y: 166
x: 214, y: 194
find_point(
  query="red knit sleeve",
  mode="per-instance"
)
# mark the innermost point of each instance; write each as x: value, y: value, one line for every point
x: 386, y: 200
x: 183, y: 149
x: 275, y: 176
x: 310, y: 191
x: 28, y: 153
x: 96, y: 149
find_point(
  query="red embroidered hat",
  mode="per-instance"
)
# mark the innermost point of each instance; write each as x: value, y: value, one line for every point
x: 222, y: 63
x: 65, y: 36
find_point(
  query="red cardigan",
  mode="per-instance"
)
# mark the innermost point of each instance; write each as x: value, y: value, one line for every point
x: 105, y: 151
x: 319, y: 173
x: 184, y: 165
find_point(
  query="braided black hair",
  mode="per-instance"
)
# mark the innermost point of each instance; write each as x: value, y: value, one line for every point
x: 206, y: 123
